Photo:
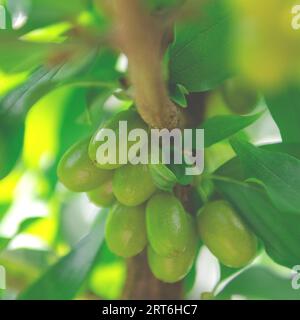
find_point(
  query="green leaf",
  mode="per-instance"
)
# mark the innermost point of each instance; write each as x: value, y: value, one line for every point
x: 219, y: 128
x: 285, y: 109
x: 30, y: 260
x: 226, y: 272
x: 11, y: 141
x: 199, y: 57
x: 163, y: 177
x: 4, y: 242
x: 25, y: 224
x: 178, y: 95
x: 260, y: 283
x: 44, y: 12
x: 108, y: 276
x: 179, y: 170
x: 162, y: 4
x: 4, y: 208
x: 15, y: 105
x: 73, y: 106
x: 234, y: 169
x: 64, y: 279
x: 279, y: 172
x: 17, y: 55
x: 51, y: 34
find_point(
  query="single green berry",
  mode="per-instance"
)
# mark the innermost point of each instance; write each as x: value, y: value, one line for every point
x: 226, y: 235
x: 133, y: 184
x: 102, y: 196
x: 125, y: 231
x: 173, y: 269
x: 168, y: 226
x: 77, y: 172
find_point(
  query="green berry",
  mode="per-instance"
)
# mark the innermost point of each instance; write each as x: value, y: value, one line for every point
x: 173, y: 269
x: 125, y: 231
x: 226, y: 235
x: 102, y: 196
x: 133, y: 184
x: 168, y: 226
x: 77, y: 172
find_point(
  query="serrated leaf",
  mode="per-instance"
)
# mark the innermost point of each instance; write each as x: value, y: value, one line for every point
x: 279, y: 172
x: 223, y: 127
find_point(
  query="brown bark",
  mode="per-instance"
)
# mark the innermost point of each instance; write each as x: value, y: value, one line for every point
x: 142, y: 285
x: 141, y: 37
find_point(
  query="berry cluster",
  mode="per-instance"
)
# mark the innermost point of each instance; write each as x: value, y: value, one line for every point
x: 143, y: 216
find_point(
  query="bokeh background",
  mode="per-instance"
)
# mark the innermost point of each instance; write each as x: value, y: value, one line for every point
x: 59, y: 80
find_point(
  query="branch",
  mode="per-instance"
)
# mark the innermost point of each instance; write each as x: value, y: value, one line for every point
x: 142, y: 285
x: 141, y: 37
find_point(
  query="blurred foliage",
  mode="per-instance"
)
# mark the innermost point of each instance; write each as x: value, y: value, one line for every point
x: 59, y: 80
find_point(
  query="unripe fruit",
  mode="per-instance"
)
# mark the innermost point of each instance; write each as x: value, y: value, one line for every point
x: 77, y: 172
x: 102, y: 196
x: 168, y: 225
x: 134, y: 121
x: 133, y: 184
x: 173, y: 269
x: 125, y: 231
x: 226, y: 235
x: 239, y: 96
